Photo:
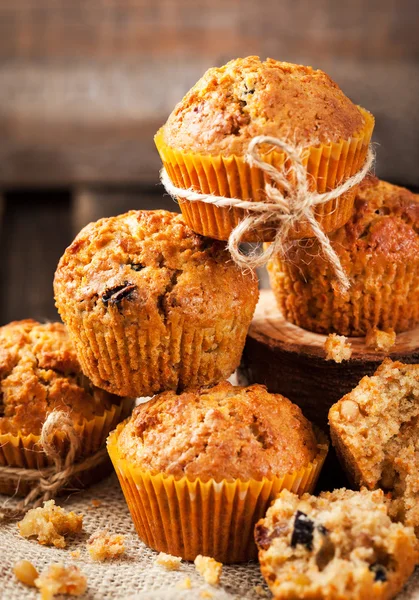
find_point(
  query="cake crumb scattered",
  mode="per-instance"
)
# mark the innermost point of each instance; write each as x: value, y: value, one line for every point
x: 49, y: 524
x: 25, y: 572
x: 58, y: 579
x: 209, y: 568
x: 75, y: 554
x: 337, y: 348
x: 95, y: 504
x: 260, y: 591
x: 169, y: 562
x: 379, y: 340
x: 185, y: 584
x: 206, y: 594
x: 103, y: 545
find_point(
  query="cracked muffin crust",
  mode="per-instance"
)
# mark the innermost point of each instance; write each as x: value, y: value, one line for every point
x: 151, y: 305
x: 378, y: 249
x: 247, y: 97
x: 39, y: 373
x: 223, y: 432
x: 341, y: 545
x: 375, y: 430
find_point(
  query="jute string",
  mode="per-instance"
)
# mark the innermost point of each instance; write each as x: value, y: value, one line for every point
x: 289, y: 201
x: 49, y: 481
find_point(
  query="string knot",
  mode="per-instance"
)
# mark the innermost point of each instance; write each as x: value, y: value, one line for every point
x: 289, y: 201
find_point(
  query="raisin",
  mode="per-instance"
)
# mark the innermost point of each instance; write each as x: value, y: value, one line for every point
x: 137, y: 266
x: 303, y: 531
x: 114, y: 296
x: 380, y: 572
x: 264, y: 538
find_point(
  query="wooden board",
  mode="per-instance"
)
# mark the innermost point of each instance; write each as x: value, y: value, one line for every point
x: 291, y: 361
x: 85, y: 85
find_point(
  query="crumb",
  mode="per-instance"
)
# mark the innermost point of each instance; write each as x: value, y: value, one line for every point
x: 75, y: 554
x: 337, y: 348
x: 209, y: 568
x: 260, y: 591
x: 25, y: 572
x: 381, y: 341
x: 95, y: 504
x: 169, y: 562
x: 185, y: 584
x: 205, y: 594
x: 102, y: 545
x: 58, y: 579
x: 49, y: 524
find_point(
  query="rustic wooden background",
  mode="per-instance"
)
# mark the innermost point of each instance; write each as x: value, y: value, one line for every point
x: 84, y: 84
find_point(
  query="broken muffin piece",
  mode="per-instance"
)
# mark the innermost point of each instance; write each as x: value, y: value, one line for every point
x: 337, y: 348
x: 341, y: 544
x: 380, y: 341
x: 49, y: 524
x: 375, y: 430
x: 209, y: 568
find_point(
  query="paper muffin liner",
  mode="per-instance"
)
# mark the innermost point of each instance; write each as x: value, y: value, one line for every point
x: 328, y: 165
x: 383, y: 295
x: 24, y: 451
x: 134, y: 360
x: 186, y: 518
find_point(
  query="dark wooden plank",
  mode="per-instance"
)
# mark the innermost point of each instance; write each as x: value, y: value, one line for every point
x: 91, y: 204
x: 34, y: 235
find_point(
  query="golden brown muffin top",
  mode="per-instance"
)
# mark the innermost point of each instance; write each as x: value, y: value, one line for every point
x: 39, y: 372
x: 222, y: 432
x: 385, y: 221
x: 248, y: 97
x: 148, y: 265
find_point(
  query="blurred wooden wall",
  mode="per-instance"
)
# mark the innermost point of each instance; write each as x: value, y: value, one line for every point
x: 84, y: 84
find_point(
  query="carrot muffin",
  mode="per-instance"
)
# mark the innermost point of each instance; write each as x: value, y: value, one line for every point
x: 204, y: 143
x: 199, y: 468
x: 341, y: 545
x: 152, y: 306
x: 379, y: 251
x: 39, y: 374
x: 375, y: 431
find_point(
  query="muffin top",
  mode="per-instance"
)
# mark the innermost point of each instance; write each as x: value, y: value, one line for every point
x: 385, y: 221
x: 248, y: 97
x: 148, y: 265
x: 39, y: 372
x: 222, y: 432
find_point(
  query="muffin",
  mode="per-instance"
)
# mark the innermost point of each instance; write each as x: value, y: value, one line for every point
x: 39, y: 374
x: 375, y: 431
x: 379, y: 251
x: 151, y: 306
x: 199, y: 468
x: 341, y: 545
x: 204, y: 142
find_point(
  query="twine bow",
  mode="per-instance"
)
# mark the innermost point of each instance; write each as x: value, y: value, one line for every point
x: 54, y: 478
x: 289, y: 201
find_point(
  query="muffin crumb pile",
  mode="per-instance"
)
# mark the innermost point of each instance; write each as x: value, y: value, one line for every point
x: 49, y: 524
x: 169, y: 562
x: 103, y: 545
x: 337, y: 348
x: 380, y: 341
x: 209, y: 568
x: 58, y: 579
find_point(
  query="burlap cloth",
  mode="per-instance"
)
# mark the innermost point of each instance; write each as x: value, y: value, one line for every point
x: 132, y: 576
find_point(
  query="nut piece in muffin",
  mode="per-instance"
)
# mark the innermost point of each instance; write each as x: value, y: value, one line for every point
x: 379, y: 251
x: 49, y: 524
x: 375, y: 431
x: 151, y: 305
x: 223, y: 451
x: 39, y: 374
x: 341, y: 545
x: 205, y: 139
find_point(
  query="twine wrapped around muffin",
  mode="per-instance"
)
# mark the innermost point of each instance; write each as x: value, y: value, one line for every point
x: 49, y: 481
x: 288, y: 204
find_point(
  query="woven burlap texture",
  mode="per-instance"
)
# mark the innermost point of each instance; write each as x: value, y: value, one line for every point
x: 134, y: 575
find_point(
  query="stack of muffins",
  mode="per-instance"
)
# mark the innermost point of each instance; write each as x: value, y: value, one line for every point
x: 154, y: 305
